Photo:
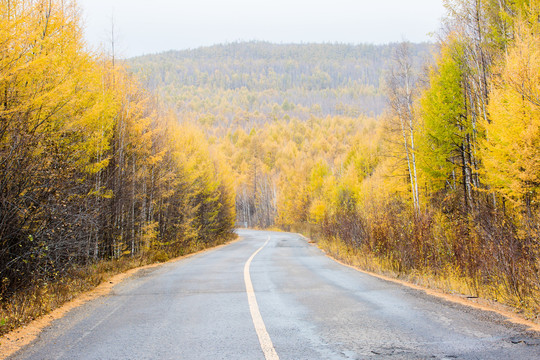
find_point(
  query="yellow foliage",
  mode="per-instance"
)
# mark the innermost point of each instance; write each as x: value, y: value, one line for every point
x: 511, y: 153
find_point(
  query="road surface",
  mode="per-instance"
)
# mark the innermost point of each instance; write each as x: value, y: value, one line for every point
x: 273, y: 295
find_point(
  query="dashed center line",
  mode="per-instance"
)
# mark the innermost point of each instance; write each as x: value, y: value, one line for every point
x: 264, y: 338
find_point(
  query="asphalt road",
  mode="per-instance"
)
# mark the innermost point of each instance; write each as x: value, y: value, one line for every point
x: 310, y: 308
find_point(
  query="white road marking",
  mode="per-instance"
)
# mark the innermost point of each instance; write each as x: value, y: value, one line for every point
x: 264, y: 337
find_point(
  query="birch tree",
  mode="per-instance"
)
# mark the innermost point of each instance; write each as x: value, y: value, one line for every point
x: 400, y: 89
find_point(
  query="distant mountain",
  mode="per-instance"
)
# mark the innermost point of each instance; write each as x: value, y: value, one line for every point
x: 253, y: 82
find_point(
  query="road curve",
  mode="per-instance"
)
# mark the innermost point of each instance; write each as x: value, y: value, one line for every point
x: 311, y: 308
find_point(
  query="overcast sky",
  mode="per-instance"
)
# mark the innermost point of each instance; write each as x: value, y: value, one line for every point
x: 149, y: 26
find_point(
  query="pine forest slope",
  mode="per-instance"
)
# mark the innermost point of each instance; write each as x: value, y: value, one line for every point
x: 244, y: 84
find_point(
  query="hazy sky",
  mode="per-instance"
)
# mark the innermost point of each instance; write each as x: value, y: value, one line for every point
x: 148, y: 26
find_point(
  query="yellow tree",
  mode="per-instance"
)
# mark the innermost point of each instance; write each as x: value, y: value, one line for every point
x: 55, y: 129
x: 511, y: 152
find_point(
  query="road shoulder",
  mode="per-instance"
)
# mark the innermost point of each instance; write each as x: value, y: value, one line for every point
x: 15, y: 340
x: 476, y: 303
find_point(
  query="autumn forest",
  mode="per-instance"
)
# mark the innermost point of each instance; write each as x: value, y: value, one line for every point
x: 419, y: 161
